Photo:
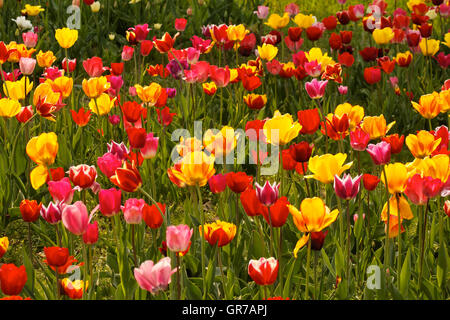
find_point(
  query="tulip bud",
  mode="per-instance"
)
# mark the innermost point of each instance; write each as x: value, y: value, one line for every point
x: 75, y: 218
x: 268, y: 194
x: 178, y: 237
x: 447, y: 207
x: 30, y: 210
x: 83, y: 175
x: 91, y: 234
x: 110, y: 201
x: 150, y: 147
x: 51, y: 213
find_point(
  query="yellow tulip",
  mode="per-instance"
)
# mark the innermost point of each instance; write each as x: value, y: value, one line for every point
x: 102, y: 105
x: 447, y: 39
x: 275, y: 21
x: 422, y: 144
x: 94, y: 87
x: 322, y: 58
x: 9, y: 107
x: 149, y: 94
x: 45, y: 93
x: 45, y: 59
x: 66, y: 37
x: 376, y: 126
x: 429, y: 105
x: 437, y: 167
x: 313, y: 216
x: 326, y: 166
x: 62, y: 85
x: 304, y: 21
x: 397, y: 176
x: 383, y: 36
x: 394, y: 206
x: 222, y: 143
x: 282, y: 126
x: 42, y: 150
x: 16, y: 89
x: 195, y: 169
x: 355, y: 114
x: 444, y: 100
x: 21, y: 51
x: 267, y: 51
x: 233, y: 75
x: 237, y: 33
x: 429, y: 47
x: 32, y: 10
x: 4, y: 244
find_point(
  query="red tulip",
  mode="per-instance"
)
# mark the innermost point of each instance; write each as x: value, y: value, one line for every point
x: 146, y: 47
x: 180, y: 24
x: 250, y: 202
x: 251, y: 83
x: 335, y: 41
x: 347, y: 188
x: 372, y: 75
x: 263, y: 271
x: 165, y: 44
x: 220, y: 76
x: 165, y: 117
x: 132, y: 111
x: 72, y: 64
x: 238, y: 181
x: 295, y: 33
x: 137, y: 137
x: 91, y: 235
x: 217, y: 183
x: 152, y: 215
x: 117, y: 68
x: 359, y: 139
x: 127, y: 178
x: 330, y: 22
x: 82, y: 117
x: 369, y: 54
x: 30, y: 210
x: 247, y: 45
x: 25, y: 114
x: 288, y: 162
x: 110, y: 201
x: 346, y: 59
x: 93, y: 66
x: 12, y: 278
x: 279, y: 213
x: 395, y: 141
x: 301, y: 152
x: 309, y: 119
x: 56, y: 256
x: 83, y: 175
x: 370, y: 182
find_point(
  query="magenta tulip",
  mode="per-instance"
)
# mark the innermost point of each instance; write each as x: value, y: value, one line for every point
x: 51, y: 213
x: 217, y: 183
x: 108, y: 163
x: 91, y: 234
x: 380, y: 152
x: 347, y: 188
x: 359, y: 139
x: 268, y: 194
x: 178, y: 237
x: 61, y: 191
x: 315, y: 88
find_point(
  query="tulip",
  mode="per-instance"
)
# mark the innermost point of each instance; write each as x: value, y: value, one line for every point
x: 277, y: 22
x: 343, y: 90
x: 75, y: 218
x: 52, y: 213
x: 24, y: 114
x: 95, y: 87
x: 268, y: 194
x: 150, y: 147
x: 372, y: 75
x: 127, y: 53
x: 154, y: 277
x: 195, y: 168
x: 380, y: 152
x: 82, y: 117
x: 315, y: 88
x: 309, y: 120
x: 149, y: 94
x: 180, y: 24
x: 359, y: 139
x: 127, y: 177
x: 66, y: 37
x: 279, y: 212
x: 267, y: 52
x: 304, y: 21
x: 83, y: 175
x: 250, y: 202
x: 429, y: 105
x: 446, y: 208
x: 404, y: 59
x: 165, y: 117
x: 27, y: 65
x: 347, y: 188
x: 152, y: 215
x: 301, y: 152
x: 74, y: 289
x: 217, y: 183
x: 397, y: 176
x: 218, y: 233
x: 102, y: 105
x: 12, y: 279
x: 4, y: 243
x: 262, y: 12
x: 395, y: 141
x: 402, y: 205
x: 284, y: 125
x: 326, y: 166
x: 220, y: 76
x: 317, y: 239
x: 93, y: 66
x: 69, y: 64
x: 9, y: 107
x: 165, y: 44
x: 383, y: 36
x: 429, y: 47
x: 178, y: 237
x: 422, y: 144
x: 263, y: 271
x: 376, y: 126
x: 42, y: 150
x: 238, y: 182
x: 132, y: 210
x: 30, y: 210
x: 91, y: 235
x: 370, y: 182
x: 108, y: 163
x: 56, y: 256
x: 30, y: 39
x: 109, y: 201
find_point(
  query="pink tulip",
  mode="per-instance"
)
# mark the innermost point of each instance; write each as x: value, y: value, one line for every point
x: 315, y: 88
x: 51, y: 213
x: 27, y: 65
x: 380, y: 152
x: 127, y: 53
x: 141, y: 31
x: 120, y: 150
x: 268, y: 194
x: 76, y: 218
x: 93, y: 66
x: 359, y: 139
x: 262, y: 12
x: 108, y: 163
x: 192, y: 55
x: 151, y: 146
x: 114, y: 119
x: 91, y: 234
x: 72, y: 64
x: 180, y: 24
x: 292, y: 9
x: 30, y: 39
x: 132, y: 210
x: 110, y: 201
x: 343, y: 90
x: 116, y: 84
x: 313, y: 68
x: 347, y: 188
x: 220, y: 76
x: 61, y: 191
x: 419, y: 189
x: 154, y: 277
x: 217, y: 183
x: 178, y: 237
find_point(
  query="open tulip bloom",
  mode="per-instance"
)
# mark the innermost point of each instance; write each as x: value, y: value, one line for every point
x: 207, y: 153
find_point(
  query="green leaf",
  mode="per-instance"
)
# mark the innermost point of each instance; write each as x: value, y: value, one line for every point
x: 294, y: 263
x: 193, y: 292
x: 326, y: 261
x: 405, y: 275
x: 442, y: 266
x: 211, y: 269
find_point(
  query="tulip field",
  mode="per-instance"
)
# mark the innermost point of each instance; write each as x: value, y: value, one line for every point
x: 224, y: 150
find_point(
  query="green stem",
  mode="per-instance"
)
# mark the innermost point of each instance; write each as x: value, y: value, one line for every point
x: 308, y: 261
x: 386, y: 244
